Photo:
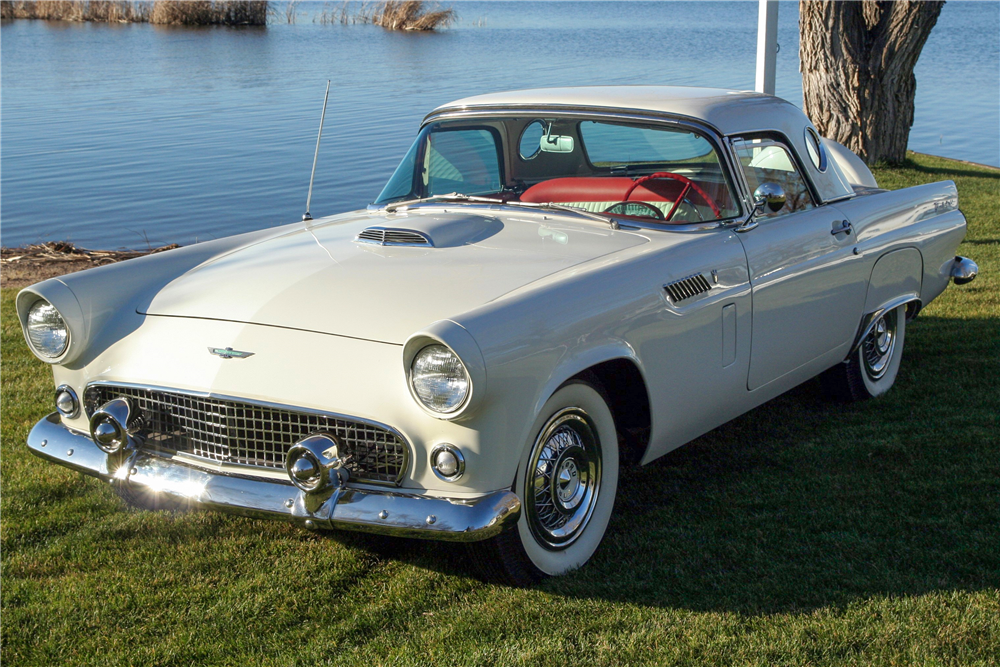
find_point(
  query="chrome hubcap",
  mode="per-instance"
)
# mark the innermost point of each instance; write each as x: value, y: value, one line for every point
x: 563, y: 478
x: 878, y: 346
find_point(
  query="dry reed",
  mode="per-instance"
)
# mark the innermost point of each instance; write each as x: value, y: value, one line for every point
x: 390, y: 14
x: 207, y: 12
x: 411, y: 15
x: 202, y: 12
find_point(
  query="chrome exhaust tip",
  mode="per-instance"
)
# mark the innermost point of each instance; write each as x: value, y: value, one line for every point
x: 964, y: 270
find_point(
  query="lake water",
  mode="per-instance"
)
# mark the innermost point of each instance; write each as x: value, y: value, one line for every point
x: 123, y: 135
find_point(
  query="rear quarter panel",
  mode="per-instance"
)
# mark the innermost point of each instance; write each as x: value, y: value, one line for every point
x: 924, y: 217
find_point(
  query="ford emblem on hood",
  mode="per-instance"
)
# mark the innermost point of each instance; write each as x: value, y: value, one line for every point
x: 229, y: 353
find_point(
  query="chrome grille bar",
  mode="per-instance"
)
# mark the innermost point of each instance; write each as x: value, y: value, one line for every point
x: 232, y: 431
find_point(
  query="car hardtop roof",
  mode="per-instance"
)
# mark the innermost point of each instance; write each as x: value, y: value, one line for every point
x: 728, y: 111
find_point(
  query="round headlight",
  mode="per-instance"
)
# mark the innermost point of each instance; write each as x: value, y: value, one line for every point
x: 47, y: 332
x: 439, y: 379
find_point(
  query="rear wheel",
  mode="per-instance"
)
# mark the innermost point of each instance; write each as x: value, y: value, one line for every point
x: 566, y: 480
x: 871, y: 369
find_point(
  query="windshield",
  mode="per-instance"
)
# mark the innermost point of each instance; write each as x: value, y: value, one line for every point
x: 645, y: 171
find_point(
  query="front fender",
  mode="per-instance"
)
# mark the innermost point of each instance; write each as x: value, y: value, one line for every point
x: 581, y: 359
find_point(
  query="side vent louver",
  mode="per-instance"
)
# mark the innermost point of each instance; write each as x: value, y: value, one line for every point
x: 685, y: 288
x: 383, y: 236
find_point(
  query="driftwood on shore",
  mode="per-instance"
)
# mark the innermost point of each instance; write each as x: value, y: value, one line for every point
x: 33, y: 263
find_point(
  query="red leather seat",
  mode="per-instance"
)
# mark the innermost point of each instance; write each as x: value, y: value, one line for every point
x: 600, y: 188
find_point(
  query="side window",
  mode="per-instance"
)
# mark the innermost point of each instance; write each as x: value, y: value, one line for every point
x: 463, y: 161
x: 769, y: 161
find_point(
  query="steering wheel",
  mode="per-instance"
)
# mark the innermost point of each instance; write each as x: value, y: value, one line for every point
x: 688, y: 186
x: 656, y: 213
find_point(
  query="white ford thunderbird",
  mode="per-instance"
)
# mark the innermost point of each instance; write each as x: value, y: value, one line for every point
x: 552, y: 284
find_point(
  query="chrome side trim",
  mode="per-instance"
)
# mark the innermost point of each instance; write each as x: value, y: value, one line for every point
x: 869, y: 320
x: 395, y: 513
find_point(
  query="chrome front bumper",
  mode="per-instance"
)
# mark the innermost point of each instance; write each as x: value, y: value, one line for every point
x: 386, y: 512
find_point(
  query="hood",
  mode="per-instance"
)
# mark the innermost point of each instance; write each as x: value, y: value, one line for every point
x: 320, y: 277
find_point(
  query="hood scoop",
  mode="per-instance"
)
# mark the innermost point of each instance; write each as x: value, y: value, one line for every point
x: 394, y: 237
x: 431, y: 231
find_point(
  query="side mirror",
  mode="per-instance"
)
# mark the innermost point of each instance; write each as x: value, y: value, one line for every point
x: 769, y: 195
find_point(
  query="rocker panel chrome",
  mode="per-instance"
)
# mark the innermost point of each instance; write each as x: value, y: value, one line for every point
x: 384, y: 512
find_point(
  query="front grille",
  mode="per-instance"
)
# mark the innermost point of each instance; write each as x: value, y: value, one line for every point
x: 254, y: 435
x: 384, y: 236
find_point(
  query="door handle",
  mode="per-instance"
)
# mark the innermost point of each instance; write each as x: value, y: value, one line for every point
x: 845, y: 228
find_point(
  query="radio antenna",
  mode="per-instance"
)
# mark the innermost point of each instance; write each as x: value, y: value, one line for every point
x: 306, y: 215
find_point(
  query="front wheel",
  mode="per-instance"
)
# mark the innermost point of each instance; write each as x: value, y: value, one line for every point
x: 871, y: 369
x: 566, y: 480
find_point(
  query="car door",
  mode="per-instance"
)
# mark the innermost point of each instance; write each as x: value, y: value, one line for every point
x: 807, y: 287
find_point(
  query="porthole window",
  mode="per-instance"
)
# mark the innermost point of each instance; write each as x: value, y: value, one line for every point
x: 817, y: 152
x: 531, y: 140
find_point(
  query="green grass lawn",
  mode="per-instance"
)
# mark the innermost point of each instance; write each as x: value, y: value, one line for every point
x: 803, y: 533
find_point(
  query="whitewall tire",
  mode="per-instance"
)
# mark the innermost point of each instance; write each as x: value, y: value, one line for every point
x: 871, y: 369
x: 567, y: 479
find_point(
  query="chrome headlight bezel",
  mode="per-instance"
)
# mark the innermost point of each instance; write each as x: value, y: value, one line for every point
x: 453, y: 407
x: 456, y: 338
x: 48, y: 356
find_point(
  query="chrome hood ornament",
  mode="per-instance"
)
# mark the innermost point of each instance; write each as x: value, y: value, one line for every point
x: 229, y: 353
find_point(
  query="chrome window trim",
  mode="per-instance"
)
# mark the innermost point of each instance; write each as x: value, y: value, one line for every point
x: 783, y: 141
x: 408, y: 447
x: 824, y: 158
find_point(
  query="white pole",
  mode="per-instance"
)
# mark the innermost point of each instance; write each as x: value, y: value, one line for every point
x: 767, y: 46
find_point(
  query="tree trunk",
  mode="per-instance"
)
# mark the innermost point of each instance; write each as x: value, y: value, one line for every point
x: 857, y: 61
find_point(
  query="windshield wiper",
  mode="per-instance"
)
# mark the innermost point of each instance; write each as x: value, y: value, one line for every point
x: 551, y: 206
x: 451, y: 196
x: 455, y: 196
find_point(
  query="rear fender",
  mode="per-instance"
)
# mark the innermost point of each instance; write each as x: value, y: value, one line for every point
x: 895, y: 281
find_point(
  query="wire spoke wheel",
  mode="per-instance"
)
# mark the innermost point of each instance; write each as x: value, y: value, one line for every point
x: 566, y: 480
x: 870, y: 369
x: 879, y: 344
x: 563, y: 478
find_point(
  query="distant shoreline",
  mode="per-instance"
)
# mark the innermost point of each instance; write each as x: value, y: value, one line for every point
x: 953, y: 159
x: 31, y: 264
x: 403, y: 15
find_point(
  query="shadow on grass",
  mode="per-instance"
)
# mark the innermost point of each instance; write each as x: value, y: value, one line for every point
x: 910, y: 164
x: 803, y: 503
